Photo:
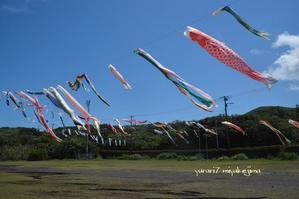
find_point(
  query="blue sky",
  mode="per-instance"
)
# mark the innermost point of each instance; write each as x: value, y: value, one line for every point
x: 48, y: 42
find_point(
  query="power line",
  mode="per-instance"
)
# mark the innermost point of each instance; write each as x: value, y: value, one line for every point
x: 219, y: 99
x: 182, y: 26
x: 178, y: 29
x: 191, y: 106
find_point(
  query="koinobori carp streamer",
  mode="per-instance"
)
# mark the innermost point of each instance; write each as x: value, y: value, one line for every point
x: 65, y: 107
x: 234, y: 126
x: 15, y: 100
x: 226, y: 55
x: 119, y: 76
x: 194, y: 94
x: 135, y: 122
x: 279, y: 134
x: 85, y: 114
x: 39, y: 110
x: 163, y: 127
x: 241, y: 21
x: 205, y: 129
x: 76, y: 85
x: 120, y: 127
x: 294, y: 123
x: 182, y: 137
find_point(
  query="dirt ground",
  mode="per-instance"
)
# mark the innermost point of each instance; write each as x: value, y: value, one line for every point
x: 88, y: 181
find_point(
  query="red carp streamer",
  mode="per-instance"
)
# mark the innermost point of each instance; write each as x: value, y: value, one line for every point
x: 180, y: 135
x: 85, y: 114
x: 280, y: 136
x: 114, y: 131
x: 39, y: 110
x: 294, y: 123
x: 226, y: 55
x: 233, y: 126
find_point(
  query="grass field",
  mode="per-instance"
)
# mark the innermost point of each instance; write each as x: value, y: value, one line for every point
x: 147, y: 179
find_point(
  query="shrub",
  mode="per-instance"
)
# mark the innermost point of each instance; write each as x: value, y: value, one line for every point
x: 18, y: 152
x: 70, y: 149
x: 132, y: 157
x: 99, y: 157
x: 270, y: 157
x: 37, y: 154
x: 187, y: 158
x: 223, y: 158
x: 199, y: 156
x: 182, y: 157
x: 240, y: 156
x: 288, y: 156
x: 165, y: 156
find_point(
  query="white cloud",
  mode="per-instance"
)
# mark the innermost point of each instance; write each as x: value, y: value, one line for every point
x: 23, y: 7
x: 285, y: 39
x: 294, y: 87
x: 13, y: 9
x: 286, y: 67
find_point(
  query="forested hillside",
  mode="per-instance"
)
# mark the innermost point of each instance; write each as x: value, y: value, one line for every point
x: 18, y: 143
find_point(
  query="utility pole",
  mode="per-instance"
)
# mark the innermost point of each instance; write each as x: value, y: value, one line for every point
x: 198, y: 136
x: 207, y: 150
x: 226, y: 103
x: 131, y: 120
x: 87, y: 103
x: 199, y: 148
x: 217, y: 141
x: 225, y: 99
x: 87, y: 145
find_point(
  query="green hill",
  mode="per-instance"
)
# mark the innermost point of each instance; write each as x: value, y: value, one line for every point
x: 275, y: 111
x: 17, y: 143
